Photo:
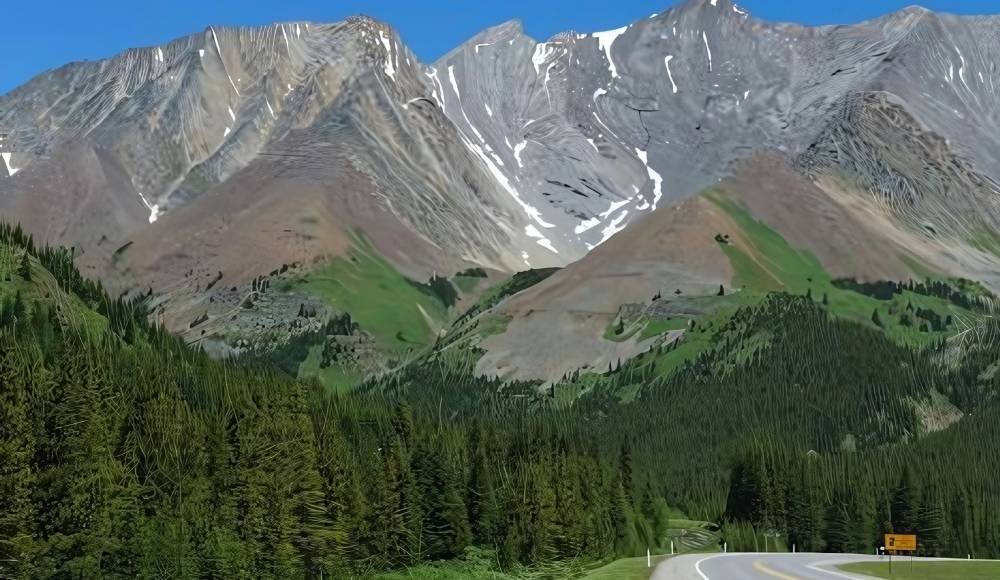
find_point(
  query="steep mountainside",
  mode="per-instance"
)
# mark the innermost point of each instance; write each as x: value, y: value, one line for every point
x: 195, y: 168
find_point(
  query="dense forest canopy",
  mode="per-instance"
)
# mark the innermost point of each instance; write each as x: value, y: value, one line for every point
x: 125, y: 453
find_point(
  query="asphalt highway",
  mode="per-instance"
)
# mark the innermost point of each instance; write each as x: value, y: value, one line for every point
x: 758, y: 566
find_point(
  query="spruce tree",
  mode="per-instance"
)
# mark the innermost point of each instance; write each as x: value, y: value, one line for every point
x: 905, y: 504
x: 24, y: 268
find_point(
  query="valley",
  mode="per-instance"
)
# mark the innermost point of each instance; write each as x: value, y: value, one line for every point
x: 285, y: 301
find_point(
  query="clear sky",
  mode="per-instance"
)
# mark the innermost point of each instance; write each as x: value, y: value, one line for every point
x: 37, y: 35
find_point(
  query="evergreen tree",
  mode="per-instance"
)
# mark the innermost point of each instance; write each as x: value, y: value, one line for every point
x: 24, y: 268
x: 483, y: 507
x: 625, y: 470
x: 905, y: 504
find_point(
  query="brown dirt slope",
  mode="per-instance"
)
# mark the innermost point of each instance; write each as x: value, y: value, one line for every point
x: 558, y: 325
x: 272, y: 213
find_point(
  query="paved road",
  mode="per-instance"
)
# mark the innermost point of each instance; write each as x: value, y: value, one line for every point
x: 757, y: 566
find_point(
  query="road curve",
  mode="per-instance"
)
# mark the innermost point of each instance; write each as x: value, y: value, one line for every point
x: 758, y: 566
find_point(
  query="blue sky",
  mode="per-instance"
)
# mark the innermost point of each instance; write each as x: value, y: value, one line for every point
x: 37, y: 35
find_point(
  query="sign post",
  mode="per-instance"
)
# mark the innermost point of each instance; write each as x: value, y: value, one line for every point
x: 895, y: 543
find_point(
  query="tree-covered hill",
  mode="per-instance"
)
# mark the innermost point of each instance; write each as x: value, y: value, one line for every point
x: 125, y: 453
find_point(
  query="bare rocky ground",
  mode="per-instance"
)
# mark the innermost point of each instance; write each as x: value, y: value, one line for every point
x: 242, y: 150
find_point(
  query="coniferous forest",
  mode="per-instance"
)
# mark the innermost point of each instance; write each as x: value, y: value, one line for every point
x: 125, y: 453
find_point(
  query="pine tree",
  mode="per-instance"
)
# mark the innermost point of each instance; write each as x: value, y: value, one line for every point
x: 483, y: 508
x: 837, y: 526
x: 24, y: 268
x: 905, y: 505
x: 625, y: 469
x: 17, y: 448
x: 930, y: 525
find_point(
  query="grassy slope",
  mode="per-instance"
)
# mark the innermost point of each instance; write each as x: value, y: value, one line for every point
x: 700, y: 338
x: 625, y: 569
x: 769, y: 263
x: 658, y: 327
x: 467, y: 284
x: 636, y: 569
x: 43, y: 287
x: 378, y: 297
x: 478, y: 322
x: 481, y: 564
x: 764, y: 263
x: 949, y: 570
x: 334, y: 376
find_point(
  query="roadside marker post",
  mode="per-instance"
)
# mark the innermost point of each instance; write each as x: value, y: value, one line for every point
x: 671, y: 547
x: 649, y: 561
x: 900, y: 543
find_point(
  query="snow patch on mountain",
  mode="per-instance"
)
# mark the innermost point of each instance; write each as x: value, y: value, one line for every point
x: 11, y: 170
x: 613, y: 227
x: 154, y: 208
x: 542, y: 51
x: 517, y: 152
x: 670, y: 75
x: 586, y: 225
x: 708, y: 50
x: 389, y: 66
x: 653, y: 175
x: 532, y: 232
x: 605, y: 41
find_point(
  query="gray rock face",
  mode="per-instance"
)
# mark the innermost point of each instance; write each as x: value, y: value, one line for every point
x: 595, y: 130
x: 182, y: 119
x: 508, y: 152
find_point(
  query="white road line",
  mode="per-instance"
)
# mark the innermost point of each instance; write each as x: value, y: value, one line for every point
x: 815, y: 567
x: 697, y: 565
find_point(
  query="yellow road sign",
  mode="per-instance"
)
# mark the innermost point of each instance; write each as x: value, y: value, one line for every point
x: 901, y: 542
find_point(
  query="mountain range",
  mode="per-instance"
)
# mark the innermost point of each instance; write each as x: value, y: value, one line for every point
x: 285, y: 302
x: 245, y: 178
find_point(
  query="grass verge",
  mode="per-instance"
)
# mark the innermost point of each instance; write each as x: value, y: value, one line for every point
x: 626, y: 569
x: 922, y: 570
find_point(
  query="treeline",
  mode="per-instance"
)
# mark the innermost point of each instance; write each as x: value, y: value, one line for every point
x: 126, y: 454
x: 791, y: 411
x: 126, y: 316
x: 942, y: 488
x: 963, y: 293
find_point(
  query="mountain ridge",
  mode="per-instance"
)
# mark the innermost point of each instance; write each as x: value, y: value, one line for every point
x: 253, y: 149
